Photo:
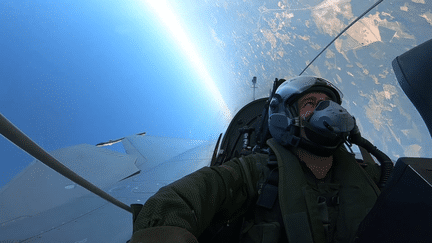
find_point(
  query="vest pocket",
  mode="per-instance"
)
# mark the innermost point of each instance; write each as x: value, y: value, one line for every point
x: 263, y: 233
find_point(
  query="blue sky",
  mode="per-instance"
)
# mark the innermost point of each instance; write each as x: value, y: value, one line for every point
x: 74, y: 72
x: 87, y: 72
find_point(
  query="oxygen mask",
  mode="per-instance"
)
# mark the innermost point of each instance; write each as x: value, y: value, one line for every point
x: 329, y: 125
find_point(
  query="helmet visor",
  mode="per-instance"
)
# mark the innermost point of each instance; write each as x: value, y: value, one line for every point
x: 291, y: 90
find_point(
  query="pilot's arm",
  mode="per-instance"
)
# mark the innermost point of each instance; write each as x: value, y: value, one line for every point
x: 182, y: 210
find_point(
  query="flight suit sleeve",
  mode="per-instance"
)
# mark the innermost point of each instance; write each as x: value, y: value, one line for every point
x: 191, y: 202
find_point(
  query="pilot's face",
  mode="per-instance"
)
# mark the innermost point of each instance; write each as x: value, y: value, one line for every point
x: 309, y: 102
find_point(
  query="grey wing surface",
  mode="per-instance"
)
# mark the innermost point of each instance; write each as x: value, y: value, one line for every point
x: 40, y: 205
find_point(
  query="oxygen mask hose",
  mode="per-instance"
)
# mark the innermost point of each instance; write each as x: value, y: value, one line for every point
x: 386, y: 163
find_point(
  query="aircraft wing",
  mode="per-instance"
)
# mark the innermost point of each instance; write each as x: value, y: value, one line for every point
x: 40, y: 205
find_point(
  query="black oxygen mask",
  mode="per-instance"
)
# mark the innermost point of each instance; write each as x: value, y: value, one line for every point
x: 328, y: 127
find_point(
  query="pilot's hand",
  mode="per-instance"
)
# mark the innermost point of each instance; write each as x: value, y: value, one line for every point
x: 163, y: 234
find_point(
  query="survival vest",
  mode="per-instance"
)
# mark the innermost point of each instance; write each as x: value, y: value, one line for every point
x: 288, y: 209
x: 306, y: 212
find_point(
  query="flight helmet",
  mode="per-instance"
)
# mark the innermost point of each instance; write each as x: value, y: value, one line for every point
x: 325, y: 129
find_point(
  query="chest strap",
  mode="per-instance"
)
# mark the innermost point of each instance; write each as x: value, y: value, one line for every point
x: 268, y: 201
x: 268, y: 190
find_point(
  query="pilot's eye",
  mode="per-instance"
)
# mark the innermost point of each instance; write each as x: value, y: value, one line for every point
x: 312, y: 104
x: 309, y: 103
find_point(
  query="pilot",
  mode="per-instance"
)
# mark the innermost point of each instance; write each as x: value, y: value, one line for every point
x: 307, y: 188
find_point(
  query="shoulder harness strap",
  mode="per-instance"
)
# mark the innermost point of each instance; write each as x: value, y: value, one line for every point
x: 268, y: 190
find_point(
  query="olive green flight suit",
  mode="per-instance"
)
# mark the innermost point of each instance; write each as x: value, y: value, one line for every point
x: 185, y: 208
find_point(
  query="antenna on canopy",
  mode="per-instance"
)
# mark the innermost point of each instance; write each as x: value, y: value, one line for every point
x: 254, y: 80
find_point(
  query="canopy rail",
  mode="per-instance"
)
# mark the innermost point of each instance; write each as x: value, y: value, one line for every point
x: 343, y: 31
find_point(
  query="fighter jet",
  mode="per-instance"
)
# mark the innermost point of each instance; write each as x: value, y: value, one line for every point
x: 88, y: 195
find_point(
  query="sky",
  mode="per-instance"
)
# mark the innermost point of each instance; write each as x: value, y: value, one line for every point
x: 87, y: 72
x: 74, y: 72
x: 84, y: 72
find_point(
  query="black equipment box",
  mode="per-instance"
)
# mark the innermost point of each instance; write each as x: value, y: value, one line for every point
x: 403, y: 211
